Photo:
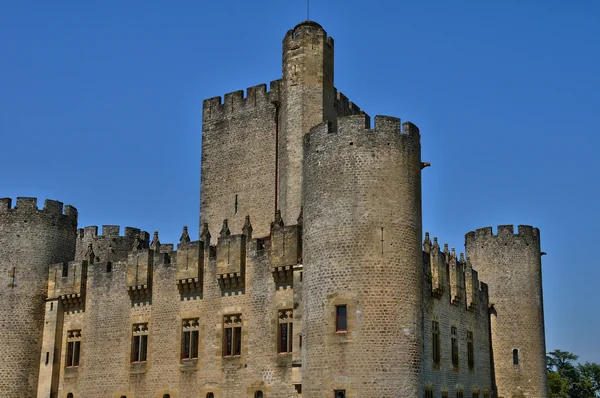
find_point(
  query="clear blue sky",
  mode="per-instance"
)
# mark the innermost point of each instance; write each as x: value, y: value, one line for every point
x: 102, y: 100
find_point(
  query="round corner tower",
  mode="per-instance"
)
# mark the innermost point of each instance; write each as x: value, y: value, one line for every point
x: 362, y: 259
x: 307, y: 99
x: 511, y: 265
x: 30, y: 240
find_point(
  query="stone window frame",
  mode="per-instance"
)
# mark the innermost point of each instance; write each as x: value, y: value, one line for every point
x: 190, y: 339
x: 341, y: 320
x: 429, y: 388
x: 232, y: 335
x: 339, y: 393
x: 436, y: 352
x: 73, y: 348
x: 459, y: 391
x: 470, y: 350
x: 139, y: 342
x: 454, y: 354
x: 285, y: 325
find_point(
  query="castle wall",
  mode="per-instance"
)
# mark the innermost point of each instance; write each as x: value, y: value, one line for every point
x: 362, y: 249
x: 239, y: 158
x: 110, y: 311
x: 511, y: 263
x: 30, y: 239
x: 463, y: 305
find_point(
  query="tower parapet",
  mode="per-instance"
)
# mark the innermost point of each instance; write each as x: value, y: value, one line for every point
x: 511, y: 264
x: 109, y: 246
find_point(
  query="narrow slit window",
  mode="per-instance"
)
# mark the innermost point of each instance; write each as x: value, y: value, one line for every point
x: 470, y: 351
x: 454, y: 346
x: 65, y: 270
x: 515, y: 356
x: 285, y: 332
x: 341, y: 319
x: 435, y: 342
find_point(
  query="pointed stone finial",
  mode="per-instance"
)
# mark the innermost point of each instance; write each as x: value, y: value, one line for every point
x: 205, y: 234
x: 300, y: 218
x: 137, y: 243
x: 427, y: 243
x: 446, y: 251
x: 461, y: 258
x: 155, y: 244
x: 247, y: 228
x: 453, y: 254
x: 278, y: 220
x: 436, y: 245
x: 185, y: 236
x: 224, y: 230
x: 89, y: 254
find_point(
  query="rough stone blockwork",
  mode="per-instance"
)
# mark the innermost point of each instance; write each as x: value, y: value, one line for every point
x: 310, y: 277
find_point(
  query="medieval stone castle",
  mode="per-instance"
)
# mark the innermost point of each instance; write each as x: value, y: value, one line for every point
x: 310, y: 276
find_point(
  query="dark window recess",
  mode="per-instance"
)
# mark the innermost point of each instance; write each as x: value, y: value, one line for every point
x: 65, y: 270
x: 475, y: 395
x: 109, y: 267
x: 189, y: 338
x: 286, y: 332
x: 167, y: 396
x: 460, y: 394
x: 341, y: 319
x: 73, y: 347
x: 454, y: 346
x: 470, y: 351
x: 258, y: 394
x: 428, y: 394
x: 339, y: 394
x: 515, y: 356
x: 70, y: 395
x: 435, y: 342
x: 47, y: 357
x: 298, y: 388
x: 210, y: 395
x: 232, y: 335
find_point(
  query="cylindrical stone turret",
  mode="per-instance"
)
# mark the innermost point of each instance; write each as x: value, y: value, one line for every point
x: 362, y: 277
x: 307, y: 100
x: 511, y: 265
x: 31, y: 240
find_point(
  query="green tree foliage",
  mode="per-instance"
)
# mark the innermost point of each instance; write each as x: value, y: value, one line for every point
x: 567, y: 380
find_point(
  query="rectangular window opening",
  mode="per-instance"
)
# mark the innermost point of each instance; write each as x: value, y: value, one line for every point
x: 139, y: 342
x: 341, y: 319
x: 435, y: 342
x: 190, y: 338
x: 285, y: 336
x: 470, y: 351
x: 73, y: 348
x: 232, y: 335
x: 454, y: 346
x: 339, y: 394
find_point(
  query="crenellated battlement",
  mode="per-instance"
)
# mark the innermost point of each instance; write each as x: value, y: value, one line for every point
x: 344, y: 106
x: 67, y: 282
x: 357, y: 125
x: 109, y: 245
x: 505, y: 233
x: 27, y: 205
x: 235, y: 103
x: 308, y: 28
x: 452, y: 274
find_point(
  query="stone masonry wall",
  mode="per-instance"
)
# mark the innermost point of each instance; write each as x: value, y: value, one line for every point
x: 106, y: 370
x: 238, y: 159
x: 449, y: 300
x: 362, y: 249
x: 511, y: 263
x: 30, y: 239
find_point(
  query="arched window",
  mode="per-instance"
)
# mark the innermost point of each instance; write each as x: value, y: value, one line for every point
x: 70, y: 395
x: 210, y: 395
x: 258, y: 394
x: 515, y: 356
x: 167, y: 396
